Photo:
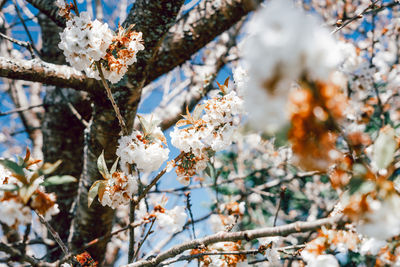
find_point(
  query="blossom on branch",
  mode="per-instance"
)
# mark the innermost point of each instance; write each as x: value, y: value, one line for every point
x: 144, y: 149
x: 208, y: 130
x: 85, y: 42
x: 279, y: 51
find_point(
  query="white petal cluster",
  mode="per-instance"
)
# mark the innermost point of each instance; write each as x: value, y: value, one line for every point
x: 210, y: 128
x: 172, y: 220
x: 13, y: 213
x: 281, y: 50
x: 7, y: 178
x: 215, y: 128
x: 273, y: 256
x: 189, y: 139
x: 84, y: 41
x: 384, y: 148
x: 221, y: 119
x: 119, y: 190
x: 117, y: 67
x: 323, y: 260
x: 147, y: 154
x: 60, y: 4
x: 46, y: 203
x: 382, y: 219
x: 216, y: 223
x: 371, y: 246
x: 241, y: 79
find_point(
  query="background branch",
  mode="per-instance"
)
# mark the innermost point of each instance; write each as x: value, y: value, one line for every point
x: 248, y: 235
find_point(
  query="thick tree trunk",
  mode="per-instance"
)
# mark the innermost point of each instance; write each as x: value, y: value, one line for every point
x: 153, y: 18
x: 62, y: 133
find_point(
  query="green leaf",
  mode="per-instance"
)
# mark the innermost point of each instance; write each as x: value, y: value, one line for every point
x: 102, y: 166
x: 114, y: 167
x: 48, y: 168
x: 355, y: 184
x: 210, y: 170
x: 8, y: 187
x: 17, y: 170
x: 94, y: 189
x: 59, y: 179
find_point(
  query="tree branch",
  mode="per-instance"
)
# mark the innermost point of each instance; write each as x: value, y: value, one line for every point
x: 48, y: 8
x: 153, y: 18
x: 219, y: 61
x: 196, y: 29
x: 36, y: 70
x: 284, y: 230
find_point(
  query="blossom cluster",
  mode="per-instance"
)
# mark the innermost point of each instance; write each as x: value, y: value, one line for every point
x: 168, y: 220
x: 86, y: 42
x: 171, y: 220
x: 118, y: 190
x: 23, y: 193
x: 220, y: 260
x: 227, y: 217
x: 204, y: 133
x: 144, y: 149
x: 313, y: 114
x: 279, y: 51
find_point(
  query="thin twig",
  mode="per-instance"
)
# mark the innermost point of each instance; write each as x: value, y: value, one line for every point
x: 131, y: 250
x: 104, y: 237
x: 281, y: 197
x: 76, y: 8
x: 16, y: 254
x: 248, y: 235
x: 144, y: 239
x: 166, y: 241
x: 219, y: 253
x: 111, y: 98
x: 20, y: 109
x: 27, y: 45
x: 356, y: 17
x: 199, y: 186
x: 26, y: 236
x: 155, y: 180
x: 24, y: 131
x: 32, y: 43
x: 371, y: 64
x: 189, y: 208
x: 53, y: 233
x: 283, y: 250
x: 73, y: 110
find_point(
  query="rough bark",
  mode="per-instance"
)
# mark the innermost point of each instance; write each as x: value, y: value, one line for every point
x: 192, y: 32
x: 196, y: 29
x: 48, y: 8
x: 36, y: 70
x: 153, y: 18
x: 62, y: 133
x: 168, y: 119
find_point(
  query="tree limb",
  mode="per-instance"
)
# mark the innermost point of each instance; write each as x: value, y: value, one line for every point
x: 194, y: 96
x: 284, y: 230
x: 48, y: 8
x: 36, y: 70
x: 196, y: 29
x: 153, y: 18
